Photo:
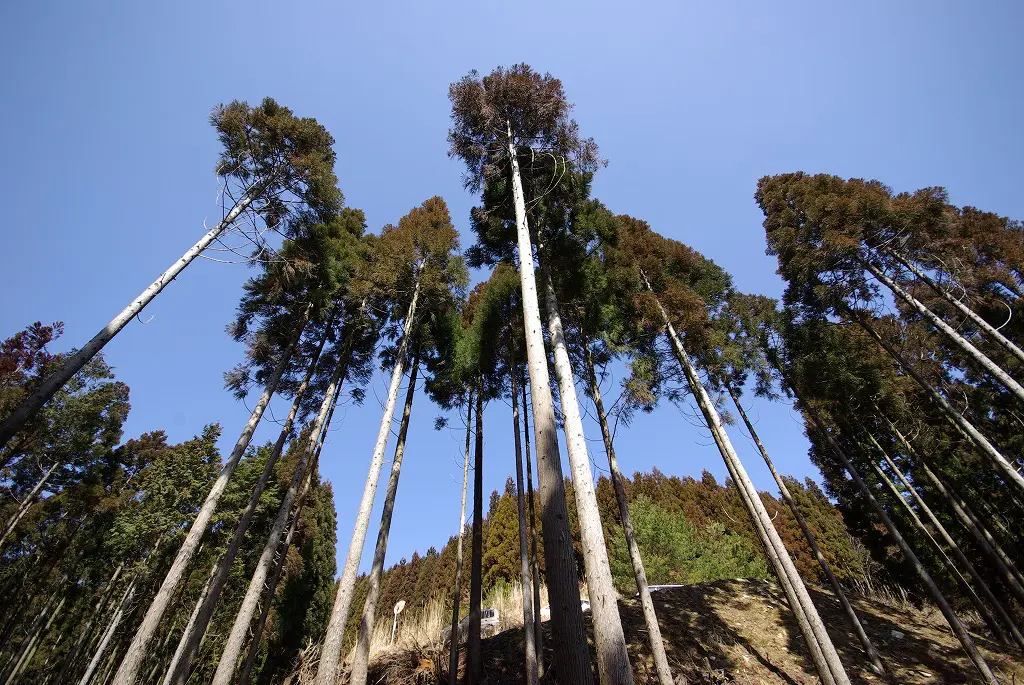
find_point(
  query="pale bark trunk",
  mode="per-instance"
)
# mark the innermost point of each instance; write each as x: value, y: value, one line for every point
x: 236, y: 638
x: 474, y: 672
x: 947, y: 611
x: 85, y: 636
x: 988, y: 544
x: 524, y: 555
x: 571, y: 659
x: 453, y: 660
x: 869, y: 648
x: 972, y: 433
x: 74, y: 363
x: 615, y: 475
x: 534, y: 565
x: 331, y: 653
x: 115, y: 621
x: 26, y: 504
x: 37, y: 625
x: 128, y: 672
x: 29, y: 650
x: 361, y: 660
x: 985, y: 326
x: 1002, y: 617
x: 829, y: 666
x: 194, y: 632
x: 970, y: 350
x: 177, y: 670
x: 612, y: 656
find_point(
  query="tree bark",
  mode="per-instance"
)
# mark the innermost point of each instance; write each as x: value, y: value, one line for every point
x: 615, y: 475
x: 177, y: 670
x: 972, y: 433
x: 985, y: 326
x: 474, y: 670
x: 75, y: 362
x: 612, y: 656
x: 115, y: 621
x: 524, y: 555
x: 128, y: 672
x: 453, y: 661
x: 19, y: 656
x: 947, y: 611
x: 331, y: 653
x: 986, y: 595
x: 26, y: 503
x: 188, y: 647
x: 534, y: 565
x: 28, y: 651
x: 823, y: 652
x: 361, y: 661
x: 570, y: 657
x: 85, y: 636
x: 970, y: 350
x: 236, y: 638
x: 869, y: 648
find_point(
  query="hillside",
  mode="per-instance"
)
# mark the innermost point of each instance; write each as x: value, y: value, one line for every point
x: 740, y: 631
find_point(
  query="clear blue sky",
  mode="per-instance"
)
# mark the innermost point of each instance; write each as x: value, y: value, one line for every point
x: 108, y: 156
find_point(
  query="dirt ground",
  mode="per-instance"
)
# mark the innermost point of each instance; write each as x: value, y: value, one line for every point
x: 740, y: 631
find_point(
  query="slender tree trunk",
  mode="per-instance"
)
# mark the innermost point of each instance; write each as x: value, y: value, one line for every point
x: 972, y: 433
x: 869, y: 648
x: 830, y: 667
x: 361, y: 661
x: 571, y: 659
x: 331, y: 653
x: 524, y: 555
x: 128, y: 672
x: 986, y: 595
x: 534, y: 564
x: 178, y: 669
x: 985, y: 326
x: 18, y: 658
x: 947, y: 611
x: 612, y: 656
x: 26, y: 503
x: 194, y: 632
x: 239, y: 630
x: 75, y: 362
x: 474, y: 670
x: 615, y: 475
x: 1002, y: 562
x: 28, y: 651
x: 85, y: 636
x: 112, y: 626
x: 970, y: 350
x: 453, y: 660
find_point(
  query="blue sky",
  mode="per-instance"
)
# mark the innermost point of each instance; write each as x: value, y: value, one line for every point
x: 108, y: 158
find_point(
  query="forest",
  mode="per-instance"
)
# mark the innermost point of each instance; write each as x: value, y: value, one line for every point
x: 898, y: 339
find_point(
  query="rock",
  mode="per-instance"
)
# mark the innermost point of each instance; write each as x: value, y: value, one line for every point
x: 898, y: 635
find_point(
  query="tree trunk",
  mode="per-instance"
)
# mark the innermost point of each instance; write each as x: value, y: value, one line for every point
x: 571, y: 659
x: 973, y: 434
x: 1005, y: 565
x: 615, y: 475
x: 85, y: 636
x: 30, y: 498
x: 534, y: 565
x: 524, y: 555
x: 947, y: 611
x: 75, y: 362
x: 827, y: 661
x: 331, y: 653
x: 869, y: 648
x: 194, y: 632
x: 236, y: 639
x: 28, y: 651
x: 985, y: 326
x: 128, y: 672
x: 362, y: 657
x: 453, y: 661
x: 970, y: 350
x: 115, y: 621
x: 18, y: 658
x: 177, y: 670
x: 612, y: 656
x: 474, y: 670
x: 979, y: 582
